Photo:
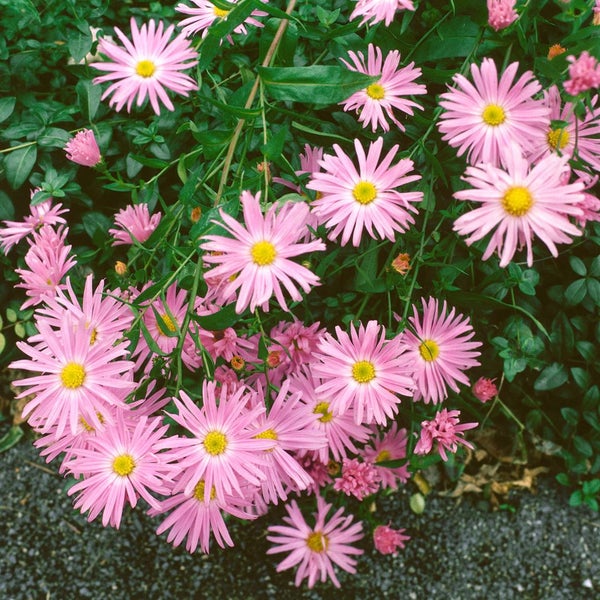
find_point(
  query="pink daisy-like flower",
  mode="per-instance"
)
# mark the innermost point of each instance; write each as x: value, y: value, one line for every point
x: 445, y: 431
x: 75, y: 379
x: 204, y: 13
x: 520, y: 203
x: 379, y: 99
x: 83, y: 149
x: 486, y: 118
x: 375, y: 11
x: 120, y: 464
x: 358, y: 479
x: 389, y: 446
x: 501, y: 13
x: 584, y: 74
x: 134, y: 224
x: 484, y: 389
x: 316, y: 549
x: 40, y: 214
x: 354, y: 200
x: 146, y: 67
x: 442, y: 346
x: 257, y: 257
x: 365, y: 371
x: 387, y: 540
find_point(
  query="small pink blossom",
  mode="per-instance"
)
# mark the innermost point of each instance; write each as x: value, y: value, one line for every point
x: 134, y: 223
x: 387, y: 540
x: 584, y: 74
x: 359, y: 479
x: 484, y: 389
x: 501, y: 13
x: 375, y: 11
x: 83, y: 149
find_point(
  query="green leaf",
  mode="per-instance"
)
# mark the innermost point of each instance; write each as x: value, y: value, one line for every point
x: 19, y: 164
x: 88, y: 96
x: 582, y: 446
x: 595, y: 268
x: 593, y: 289
x: 575, y: 293
x: 7, y: 105
x: 570, y: 415
x: 10, y: 438
x: 218, y: 321
x: 2, y: 342
x: 551, y: 377
x: 578, y: 266
x: 587, y: 350
x: 563, y: 479
x: 581, y: 377
x: 53, y: 137
x: 316, y: 84
x: 453, y: 39
x: 7, y: 209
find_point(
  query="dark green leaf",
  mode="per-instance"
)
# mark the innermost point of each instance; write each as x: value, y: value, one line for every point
x: 582, y: 446
x: 7, y: 210
x: 53, y: 137
x: 581, y: 377
x: 575, y: 293
x: 570, y: 415
x: 593, y: 289
x: 79, y: 45
x: 7, y: 105
x: 88, y: 95
x: 218, y: 321
x: 578, y: 266
x: 10, y: 438
x: 551, y: 377
x: 19, y: 164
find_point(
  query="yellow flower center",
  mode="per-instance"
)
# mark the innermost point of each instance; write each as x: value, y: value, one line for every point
x: 317, y: 541
x: 215, y: 443
x: 383, y: 456
x: 219, y: 12
x: 493, y: 115
x: 364, y: 192
x: 123, y: 465
x: 558, y: 138
x: 322, y: 408
x: 93, y: 336
x: 263, y: 253
x: 376, y: 91
x: 168, y: 322
x: 145, y: 68
x: 363, y: 371
x: 237, y: 363
x: 517, y: 201
x: 429, y: 350
x: 72, y: 375
x: 268, y: 434
x: 199, y: 491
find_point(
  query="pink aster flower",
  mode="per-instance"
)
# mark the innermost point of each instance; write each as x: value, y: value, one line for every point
x: 317, y: 469
x: 120, y: 464
x: 83, y: 149
x: 318, y: 548
x: 358, y: 479
x: 39, y: 215
x: 74, y: 378
x: 445, y: 432
x: 147, y: 67
x: 204, y: 13
x: 501, y: 13
x: 387, y: 540
x: 354, y: 200
x: 590, y: 210
x: 365, y: 371
x: 483, y: 119
x: 442, y: 346
x: 520, y: 202
x: 297, y: 341
x: 379, y: 99
x: 257, y: 257
x: 584, y: 74
x: 375, y: 11
x: 134, y: 224
x: 484, y: 389
x: 388, y: 446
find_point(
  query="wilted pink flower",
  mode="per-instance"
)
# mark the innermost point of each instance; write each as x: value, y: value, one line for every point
x: 387, y: 540
x: 374, y: 11
x: 520, y: 202
x: 379, y: 99
x: 484, y: 118
x: 484, y: 389
x: 146, y: 67
x: 584, y: 73
x: 590, y: 207
x: 445, y: 431
x: 316, y: 549
x: 501, y: 13
x: 134, y: 223
x: 83, y: 149
x: 358, y: 479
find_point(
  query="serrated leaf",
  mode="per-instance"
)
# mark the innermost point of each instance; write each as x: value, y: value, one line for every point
x: 551, y: 377
x: 18, y: 165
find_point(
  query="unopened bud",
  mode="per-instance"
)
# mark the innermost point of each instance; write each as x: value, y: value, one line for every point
x: 196, y: 214
x: 120, y: 268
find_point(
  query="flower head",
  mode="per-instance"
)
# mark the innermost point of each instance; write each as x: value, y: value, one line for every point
x: 501, y: 13
x: 520, y: 202
x: 483, y: 119
x: 484, y: 389
x: 83, y: 149
x: 358, y: 479
x: 147, y: 67
x: 318, y: 548
x: 365, y: 198
x: 375, y: 11
x: 387, y: 540
x: 134, y: 223
x: 584, y: 73
x: 379, y: 99
x: 389, y: 446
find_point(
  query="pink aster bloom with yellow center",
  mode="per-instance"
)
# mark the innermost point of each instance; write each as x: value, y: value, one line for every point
x: 120, y: 465
x: 377, y: 101
x: 485, y: 119
x: 442, y: 346
x: 375, y: 11
x: 318, y: 548
x: 354, y: 200
x: 134, y: 224
x: 83, y: 149
x: 444, y: 432
x: 520, y: 203
x: 387, y: 446
x: 365, y: 371
x: 146, y: 67
x: 256, y: 260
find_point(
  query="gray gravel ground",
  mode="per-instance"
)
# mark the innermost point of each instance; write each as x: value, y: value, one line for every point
x: 543, y: 550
